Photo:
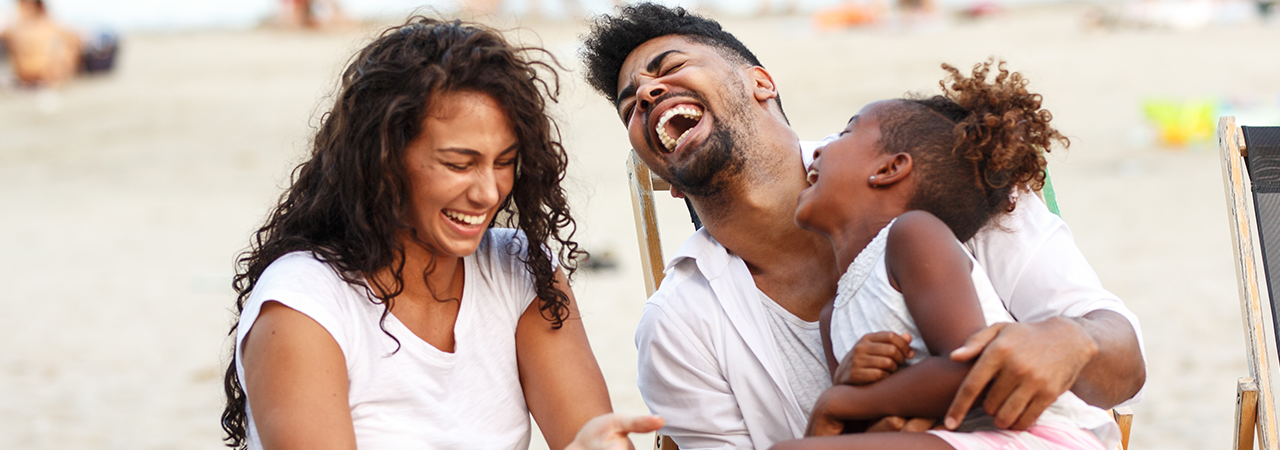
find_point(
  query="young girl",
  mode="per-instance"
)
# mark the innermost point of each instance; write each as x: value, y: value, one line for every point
x: 905, y: 183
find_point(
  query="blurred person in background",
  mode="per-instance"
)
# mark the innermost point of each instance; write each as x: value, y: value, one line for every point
x: 481, y: 7
x: 43, y: 52
x: 410, y: 290
x: 1265, y: 8
x: 315, y: 14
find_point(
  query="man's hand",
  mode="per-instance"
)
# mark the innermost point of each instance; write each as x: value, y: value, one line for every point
x: 1026, y: 365
x: 609, y: 432
x: 874, y: 357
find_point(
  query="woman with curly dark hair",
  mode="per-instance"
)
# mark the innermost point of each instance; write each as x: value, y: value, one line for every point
x: 409, y: 290
x: 905, y: 183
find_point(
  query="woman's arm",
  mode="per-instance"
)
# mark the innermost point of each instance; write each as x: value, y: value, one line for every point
x: 562, y: 383
x: 927, y: 265
x: 296, y: 382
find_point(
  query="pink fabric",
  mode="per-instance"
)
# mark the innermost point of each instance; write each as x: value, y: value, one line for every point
x: 1041, y: 436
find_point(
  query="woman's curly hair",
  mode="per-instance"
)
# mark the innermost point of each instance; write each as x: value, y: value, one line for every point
x: 349, y: 200
x: 973, y: 145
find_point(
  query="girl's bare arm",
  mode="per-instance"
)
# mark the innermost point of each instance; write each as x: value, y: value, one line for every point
x: 928, y: 266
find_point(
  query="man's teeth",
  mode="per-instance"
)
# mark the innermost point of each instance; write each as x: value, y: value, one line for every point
x: 464, y: 218
x: 682, y: 110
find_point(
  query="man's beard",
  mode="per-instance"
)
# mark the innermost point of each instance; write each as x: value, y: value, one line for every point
x: 709, y: 171
x: 720, y: 160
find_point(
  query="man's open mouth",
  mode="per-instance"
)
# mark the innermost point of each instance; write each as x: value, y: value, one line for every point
x: 677, y: 121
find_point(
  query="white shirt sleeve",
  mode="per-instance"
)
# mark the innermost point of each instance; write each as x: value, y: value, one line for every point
x: 681, y: 381
x: 807, y: 149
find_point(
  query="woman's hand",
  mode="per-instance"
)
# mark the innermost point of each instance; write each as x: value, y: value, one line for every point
x: 874, y: 357
x: 609, y: 432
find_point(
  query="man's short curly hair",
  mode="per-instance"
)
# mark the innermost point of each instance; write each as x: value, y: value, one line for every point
x: 612, y: 38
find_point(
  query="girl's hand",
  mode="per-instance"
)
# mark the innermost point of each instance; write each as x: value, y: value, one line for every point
x: 874, y: 357
x: 823, y: 422
x: 609, y: 432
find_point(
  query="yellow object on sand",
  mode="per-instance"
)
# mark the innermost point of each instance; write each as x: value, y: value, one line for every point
x: 1180, y: 122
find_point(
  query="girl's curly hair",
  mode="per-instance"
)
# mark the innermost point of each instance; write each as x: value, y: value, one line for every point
x: 974, y: 145
x: 349, y: 200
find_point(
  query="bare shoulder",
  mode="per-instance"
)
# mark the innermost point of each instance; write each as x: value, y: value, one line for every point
x: 919, y: 238
x: 920, y: 230
x: 279, y: 327
x: 296, y: 378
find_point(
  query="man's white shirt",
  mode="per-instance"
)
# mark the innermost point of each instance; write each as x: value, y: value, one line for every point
x: 709, y: 362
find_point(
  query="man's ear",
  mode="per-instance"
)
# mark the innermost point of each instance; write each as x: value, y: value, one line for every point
x: 893, y: 168
x: 762, y: 86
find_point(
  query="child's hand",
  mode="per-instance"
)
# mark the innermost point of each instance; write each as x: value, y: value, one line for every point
x: 874, y: 357
x: 823, y: 421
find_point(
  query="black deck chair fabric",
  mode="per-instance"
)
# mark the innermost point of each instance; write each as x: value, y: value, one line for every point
x: 1263, y: 162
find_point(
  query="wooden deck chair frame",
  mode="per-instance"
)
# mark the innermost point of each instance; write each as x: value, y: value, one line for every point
x: 643, y: 184
x: 1254, y: 402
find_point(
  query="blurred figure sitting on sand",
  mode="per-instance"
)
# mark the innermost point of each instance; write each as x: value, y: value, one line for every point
x: 853, y: 13
x: 537, y: 9
x: 315, y: 14
x: 1176, y: 14
x: 44, y: 53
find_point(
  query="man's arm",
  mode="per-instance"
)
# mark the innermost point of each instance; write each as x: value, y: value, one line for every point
x: 681, y: 381
x: 1117, y: 372
x: 1028, y: 365
x: 1071, y: 332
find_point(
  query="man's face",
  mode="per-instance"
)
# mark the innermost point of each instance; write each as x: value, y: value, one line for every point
x: 686, y: 110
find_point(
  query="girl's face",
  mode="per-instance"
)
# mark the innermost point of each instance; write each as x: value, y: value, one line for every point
x: 460, y: 170
x: 839, y: 175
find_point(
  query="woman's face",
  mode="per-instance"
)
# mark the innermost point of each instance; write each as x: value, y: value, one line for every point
x: 839, y: 175
x: 460, y: 170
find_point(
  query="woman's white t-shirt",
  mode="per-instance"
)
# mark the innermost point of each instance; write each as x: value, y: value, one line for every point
x: 411, y: 395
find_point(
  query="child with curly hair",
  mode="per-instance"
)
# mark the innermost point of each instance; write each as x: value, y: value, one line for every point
x: 896, y: 193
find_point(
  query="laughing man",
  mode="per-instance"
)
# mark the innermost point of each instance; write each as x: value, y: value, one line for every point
x: 730, y: 352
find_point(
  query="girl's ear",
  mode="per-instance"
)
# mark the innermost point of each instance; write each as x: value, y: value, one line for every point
x: 762, y: 84
x: 893, y: 168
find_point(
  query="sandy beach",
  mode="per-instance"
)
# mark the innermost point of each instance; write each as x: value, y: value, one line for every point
x: 125, y: 201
